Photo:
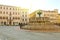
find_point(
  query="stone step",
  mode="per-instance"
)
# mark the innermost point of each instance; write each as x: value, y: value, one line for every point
x: 41, y: 27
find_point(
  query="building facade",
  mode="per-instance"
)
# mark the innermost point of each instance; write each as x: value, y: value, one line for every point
x: 11, y: 15
x: 24, y: 16
x: 52, y: 15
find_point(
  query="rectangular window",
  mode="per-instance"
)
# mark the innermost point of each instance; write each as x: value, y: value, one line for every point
x: 18, y: 17
x: 22, y: 15
x: 25, y: 12
x: 13, y: 12
x: 0, y: 12
x: 13, y: 8
x: 25, y: 15
x: 7, y: 8
x: 3, y: 12
x: 16, y: 13
x: 16, y: 8
x: 13, y: 17
x: 0, y: 17
x: 4, y: 23
x: 25, y: 19
x: 1, y: 22
x: 6, y: 17
x: 3, y: 17
x: 22, y: 19
x: 0, y: 7
x: 4, y: 7
x: 6, y: 12
x: 10, y: 8
x: 10, y: 14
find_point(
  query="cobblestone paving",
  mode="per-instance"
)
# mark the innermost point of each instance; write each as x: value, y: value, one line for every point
x: 14, y: 33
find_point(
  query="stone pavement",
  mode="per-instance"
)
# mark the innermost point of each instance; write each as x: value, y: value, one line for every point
x: 14, y: 33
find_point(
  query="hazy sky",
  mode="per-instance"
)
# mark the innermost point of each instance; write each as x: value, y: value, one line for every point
x: 34, y: 4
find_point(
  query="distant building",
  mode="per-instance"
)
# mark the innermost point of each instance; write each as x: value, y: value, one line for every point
x: 52, y: 15
x: 11, y: 15
x: 24, y: 16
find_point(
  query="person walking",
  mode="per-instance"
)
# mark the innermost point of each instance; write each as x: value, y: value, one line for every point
x: 20, y: 24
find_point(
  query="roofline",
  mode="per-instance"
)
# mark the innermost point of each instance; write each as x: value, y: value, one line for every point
x: 9, y: 5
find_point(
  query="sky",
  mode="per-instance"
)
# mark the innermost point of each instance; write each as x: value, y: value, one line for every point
x: 33, y: 5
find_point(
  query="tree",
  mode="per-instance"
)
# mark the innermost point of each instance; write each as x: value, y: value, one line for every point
x: 39, y: 13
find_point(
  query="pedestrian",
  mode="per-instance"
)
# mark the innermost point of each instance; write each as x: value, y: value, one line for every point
x: 20, y: 24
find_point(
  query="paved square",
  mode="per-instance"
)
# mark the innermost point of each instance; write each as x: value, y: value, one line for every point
x: 14, y: 33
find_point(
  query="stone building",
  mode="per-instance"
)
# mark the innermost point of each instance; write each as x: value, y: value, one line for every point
x: 51, y: 15
x: 12, y: 15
